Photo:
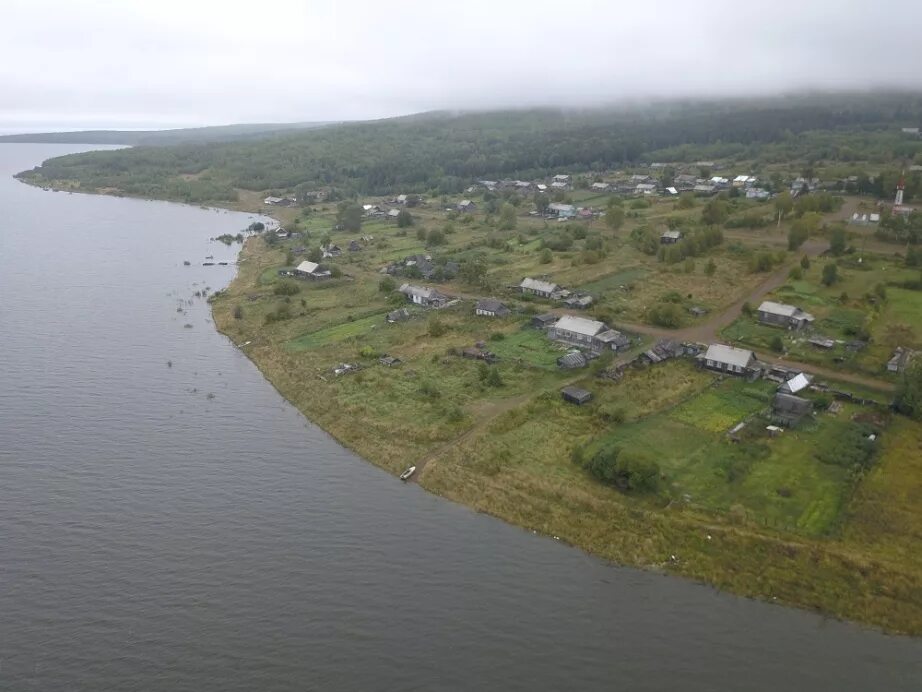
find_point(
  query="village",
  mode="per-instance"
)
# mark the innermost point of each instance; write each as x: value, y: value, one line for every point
x: 615, y: 344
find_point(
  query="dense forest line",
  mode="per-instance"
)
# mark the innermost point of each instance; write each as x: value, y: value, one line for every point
x: 443, y: 152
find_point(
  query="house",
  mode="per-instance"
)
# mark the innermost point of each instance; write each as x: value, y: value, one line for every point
x: 788, y: 410
x: 311, y: 270
x: 575, y: 395
x: 558, y: 185
x: 572, y: 361
x: 578, y: 302
x: 697, y: 311
x: 757, y: 193
x: 729, y: 359
x: 562, y: 211
x: 401, y: 199
x: 332, y: 251
x: 490, y: 307
x: 796, y: 384
x: 423, y: 295
x: 393, y: 214
x: 543, y: 289
x: 685, y: 182
x: 672, y: 191
x: 561, y: 178
x: 645, y: 189
x: 900, y: 359
x: 640, y: 179
x: 466, y: 206
x: 371, y: 209
x: 541, y: 187
x: 589, y: 334
x: 704, y: 189
x: 488, y: 184
x: 401, y: 315
x: 354, y: 246
x: 543, y: 321
x: 601, y: 187
x: 720, y: 183
x: 782, y: 315
x: 272, y: 200
x: 670, y: 237
x: 389, y: 361
x: 282, y: 233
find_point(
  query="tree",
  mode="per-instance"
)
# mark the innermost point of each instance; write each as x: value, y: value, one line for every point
x: 387, y: 284
x: 909, y: 392
x: 315, y: 254
x: 404, y: 219
x: 435, y: 237
x: 837, y: 241
x: 541, y: 202
x: 805, y: 263
x: 777, y: 345
x: 626, y: 469
x: 546, y: 256
x: 614, y: 217
x: 349, y: 215
x: 710, y: 268
x: 830, y: 274
x: 784, y: 203
x: 715, y: 212
x: 797, y: 235
x: 686, y: 201
x: 507, y: 218
x: 473, y: 271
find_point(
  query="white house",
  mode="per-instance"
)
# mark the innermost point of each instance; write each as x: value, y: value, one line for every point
x: 423, y: 295
x: 582, y: 332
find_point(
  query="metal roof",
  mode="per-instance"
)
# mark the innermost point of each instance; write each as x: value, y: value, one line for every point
x: 307, y: 267
x: 729, y: 355
x: 538, y: 285
x: 580, y: 325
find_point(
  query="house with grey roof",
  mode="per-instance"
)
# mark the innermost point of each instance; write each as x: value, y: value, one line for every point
x: 490, y: 307
x: 900, y: 359
x: 537, y: 287
x: 423, y: 295
x: 783, y: 315
x: 796, y: 384
x: 575, y: 395
x: 311, y: 270
x: 729, y: 359
x: 562, y: 211
x: 591, y: 335
x: 670, y: 237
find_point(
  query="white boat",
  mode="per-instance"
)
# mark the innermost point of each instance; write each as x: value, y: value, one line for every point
x: 406, y: 474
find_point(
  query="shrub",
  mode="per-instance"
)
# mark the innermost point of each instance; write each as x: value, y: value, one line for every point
x: 777, y: 345
x: 238, y: 312
x: 667, y: 315
x: 387, y: 284
x: 830, y: 274
x: 286, y: 288
x: 626, y: 469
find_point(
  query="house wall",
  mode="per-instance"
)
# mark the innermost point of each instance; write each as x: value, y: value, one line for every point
x: 485, y: 313
x: 774, y: 320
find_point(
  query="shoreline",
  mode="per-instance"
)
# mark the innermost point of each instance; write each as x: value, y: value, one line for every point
x: 795, y: 553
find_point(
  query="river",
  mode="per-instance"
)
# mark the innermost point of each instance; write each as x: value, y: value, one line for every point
x: 168, y: 522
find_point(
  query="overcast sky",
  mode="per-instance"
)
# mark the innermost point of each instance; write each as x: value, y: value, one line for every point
x: 127, y: 63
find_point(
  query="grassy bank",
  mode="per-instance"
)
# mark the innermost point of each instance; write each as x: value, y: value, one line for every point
x: 782, y: 525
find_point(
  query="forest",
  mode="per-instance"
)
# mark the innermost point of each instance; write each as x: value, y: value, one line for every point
x: 442, y: 153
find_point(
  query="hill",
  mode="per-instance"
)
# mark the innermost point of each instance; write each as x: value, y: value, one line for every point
x: 220, y: 133
x: 443, y: 152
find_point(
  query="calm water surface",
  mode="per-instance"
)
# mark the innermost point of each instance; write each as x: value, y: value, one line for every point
x: 183, y: 528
